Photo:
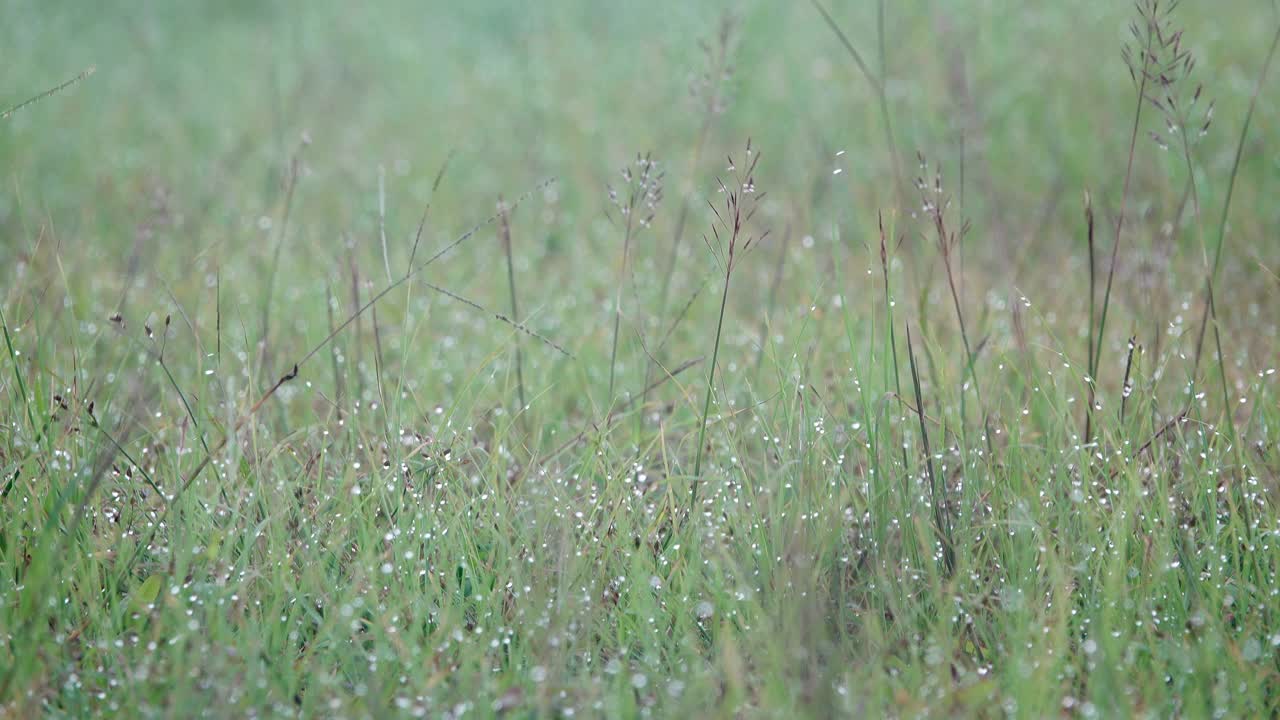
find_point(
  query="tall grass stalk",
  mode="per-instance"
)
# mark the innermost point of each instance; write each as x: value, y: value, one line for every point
x: 733, y: 239
x: 1226, y: 210
x: 710, y: 90
x: 1178, y: 100
x: 1146, y: 36
x: 892, y: 332
x: 382, y: 219
x: 504, y: 235
x: 1093, y: 293
x: 49, y: 93
x: 17, y: 377
x: 892, y: 362
x: 1210, y: 303
x: 936, y: 203
x: 937, y: 493
x: 877, y: 83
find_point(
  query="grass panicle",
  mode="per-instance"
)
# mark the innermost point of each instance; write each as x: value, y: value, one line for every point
x: 635, y: 205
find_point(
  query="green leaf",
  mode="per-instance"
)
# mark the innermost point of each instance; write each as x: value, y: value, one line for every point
x: 145, y: 596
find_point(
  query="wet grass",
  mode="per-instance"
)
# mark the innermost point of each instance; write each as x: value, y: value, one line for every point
x: 277, y: 439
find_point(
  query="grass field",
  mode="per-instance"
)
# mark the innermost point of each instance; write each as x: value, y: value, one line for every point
x: 635, y: 359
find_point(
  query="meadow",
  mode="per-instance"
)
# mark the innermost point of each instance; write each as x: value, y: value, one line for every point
x: 639, y: 359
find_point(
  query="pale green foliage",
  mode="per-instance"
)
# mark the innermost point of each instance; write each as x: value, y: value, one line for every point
x: 390, y: 533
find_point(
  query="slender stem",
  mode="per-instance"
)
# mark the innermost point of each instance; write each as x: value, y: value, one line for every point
x: 964, y: 334
x: 1222, y: 366
x: 382, y: 219
x: 897, y: 382
x: 1124, y: 196
x: 664, y: 294
x: 877, y: 85
x: 719, y: 67
x: 186, y: 405
x: 17, y: 376
x: 711, y: 383
x: 971, y: 369
x: 47, y: 93
x: 880, y: 37
x: 504, y: 229
x: 942, y: 524
x: 1088, y: 411
x: 617, y: 303
x: 217, y: 319
x: 1127, y: 387
x: 1226, y: 206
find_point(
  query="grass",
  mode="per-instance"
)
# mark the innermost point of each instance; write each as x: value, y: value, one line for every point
x: 269, y: 447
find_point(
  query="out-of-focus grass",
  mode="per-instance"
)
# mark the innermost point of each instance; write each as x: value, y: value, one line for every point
x: 391, y: 533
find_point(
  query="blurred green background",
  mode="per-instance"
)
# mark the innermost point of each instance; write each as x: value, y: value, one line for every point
x: 171, y: 163
x: 208, y: 101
